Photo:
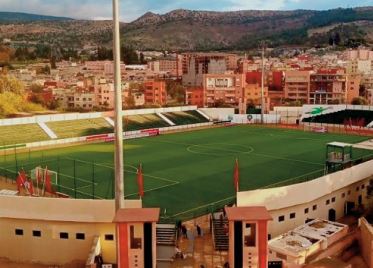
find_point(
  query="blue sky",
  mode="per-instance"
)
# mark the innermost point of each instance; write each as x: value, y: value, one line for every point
x: 131, y: 9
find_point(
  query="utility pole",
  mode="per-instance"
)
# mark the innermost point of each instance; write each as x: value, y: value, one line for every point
x: 262, y: 44
x: 118, y: 150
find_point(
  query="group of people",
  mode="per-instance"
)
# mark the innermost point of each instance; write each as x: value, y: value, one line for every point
x: 182, y: 229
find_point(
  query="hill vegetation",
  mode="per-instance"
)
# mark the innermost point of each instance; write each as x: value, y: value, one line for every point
x: 204, y: 30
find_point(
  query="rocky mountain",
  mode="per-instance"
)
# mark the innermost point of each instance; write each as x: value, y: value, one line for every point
x: 205, y: 30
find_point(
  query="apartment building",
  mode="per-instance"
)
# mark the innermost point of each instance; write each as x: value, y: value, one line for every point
x: 253, y: 94
x: 297, y: 86
x: 328, y: 86
x: 155, y: 92
x: 194, y: 96
x: 224, y: 88
x: 195, y: 65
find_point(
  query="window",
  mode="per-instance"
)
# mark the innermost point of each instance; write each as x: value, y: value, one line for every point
x: 250, y: 235
x: 281, y: 218
x: 269, y: 237
x: 349, y: 192
x: 36, y: 233
x: 292, y: 215
x: 357, y: 188
x: 80, y: 236
x: 343, y: 195
x: 327, y: 202
x: 135, y: 242
x: 109, y: 237
x: 19, y: 231
x: 333, y: 199
x: 306, y: 211
x: 314, y: 207
x: 362, y: 186
x: 64, y: 235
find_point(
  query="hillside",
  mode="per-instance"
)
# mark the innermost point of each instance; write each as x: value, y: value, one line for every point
x: 25, y: 17
x: 205, y: 30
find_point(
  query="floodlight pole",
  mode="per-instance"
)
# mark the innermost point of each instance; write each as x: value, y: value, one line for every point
x: 118, y: 151
x: 262, y: 88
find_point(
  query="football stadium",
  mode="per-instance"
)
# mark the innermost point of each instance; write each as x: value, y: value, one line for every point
x: 186, y: 174
x: 183, y: 166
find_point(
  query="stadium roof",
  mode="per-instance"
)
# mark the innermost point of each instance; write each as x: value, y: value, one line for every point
x: 137, y: 215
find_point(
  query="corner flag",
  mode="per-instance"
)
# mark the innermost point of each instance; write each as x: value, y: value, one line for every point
x: 236, y: 176
x: 140, y: 181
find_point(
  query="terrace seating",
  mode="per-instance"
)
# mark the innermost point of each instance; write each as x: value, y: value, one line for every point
x: 17, y: 134
x: 145, y: 121
x: 221, y: 238
x: 186, y: 118
x: 80, y: 128
x: 341, y: 116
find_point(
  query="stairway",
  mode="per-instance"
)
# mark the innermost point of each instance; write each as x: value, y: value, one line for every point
x: 166, y: 234
x: 221, y: 239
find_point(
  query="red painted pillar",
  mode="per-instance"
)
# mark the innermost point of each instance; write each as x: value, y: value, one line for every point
x: 263, y: 244
x: 122, y: 245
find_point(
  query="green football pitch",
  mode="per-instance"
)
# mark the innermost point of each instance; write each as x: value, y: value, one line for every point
x: 188, y: 174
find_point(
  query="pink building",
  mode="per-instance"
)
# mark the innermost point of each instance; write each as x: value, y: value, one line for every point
x: 223, y: 88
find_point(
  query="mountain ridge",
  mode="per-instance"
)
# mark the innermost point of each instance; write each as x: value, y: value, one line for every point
x: 8, y: 16
x: 183, y: 29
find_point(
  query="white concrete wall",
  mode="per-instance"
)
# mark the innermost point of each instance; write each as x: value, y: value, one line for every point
x: 220, y: 114
x: 255, y: 119
x: 345, y: 185
x: 110, y: 136
x: 159, y: 110
x: 77, y: 116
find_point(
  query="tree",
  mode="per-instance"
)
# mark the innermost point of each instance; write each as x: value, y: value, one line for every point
x: 337, y: 39
x: 129, y: 55
x: 176, y: 91
x: 142, y: 58
x: 359, y: 101
x: 36, y: 88
x: 129, y: 102
x: 11, y: 84
x: 11, y: 103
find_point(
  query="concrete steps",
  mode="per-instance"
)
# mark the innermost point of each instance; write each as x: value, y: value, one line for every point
x: 220, y: 236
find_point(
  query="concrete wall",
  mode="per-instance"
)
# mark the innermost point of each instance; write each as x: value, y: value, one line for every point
x: 50, y: 216
x: 77, y: 116
x: 339, y: 187
x: 255, y: 119
x: 366, y: 241
x: 220, y: 114
x: 109, y: 137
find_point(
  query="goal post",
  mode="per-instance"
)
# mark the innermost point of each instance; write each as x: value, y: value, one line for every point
x: 40, y: 172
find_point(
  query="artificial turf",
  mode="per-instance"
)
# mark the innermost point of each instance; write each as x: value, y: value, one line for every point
x: 187, y: 174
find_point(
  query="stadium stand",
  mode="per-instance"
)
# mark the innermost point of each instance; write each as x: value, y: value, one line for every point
x: 352, y: 117
x: 79, y: 128
x: 186, y: 118
x: 146, y: 121
x: 17, y: 134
